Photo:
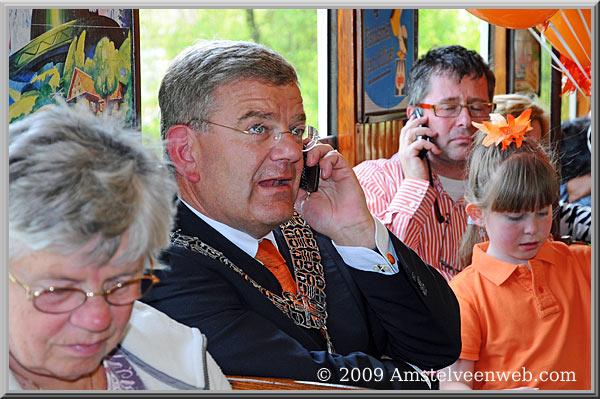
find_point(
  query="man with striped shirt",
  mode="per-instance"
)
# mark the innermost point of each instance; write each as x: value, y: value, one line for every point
x: 418, y: 192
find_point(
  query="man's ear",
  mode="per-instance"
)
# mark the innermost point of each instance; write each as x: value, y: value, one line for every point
x: 475, y: 214
x: 409, y: 110
x: 179, y: 140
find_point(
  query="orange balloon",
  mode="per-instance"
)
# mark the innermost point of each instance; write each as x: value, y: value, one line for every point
x: 571, y: 37
x: 514, y: 18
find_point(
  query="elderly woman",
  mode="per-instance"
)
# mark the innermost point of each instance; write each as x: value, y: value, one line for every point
x: 90, y: 208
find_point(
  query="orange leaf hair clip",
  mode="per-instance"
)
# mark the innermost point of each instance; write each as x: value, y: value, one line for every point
x: 505, y: 131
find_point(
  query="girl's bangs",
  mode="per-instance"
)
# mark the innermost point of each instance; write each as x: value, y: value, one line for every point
x: 525, y: 183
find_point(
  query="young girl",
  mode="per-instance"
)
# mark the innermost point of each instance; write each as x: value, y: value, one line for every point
x: 572, y: 220
x: 524, y: 300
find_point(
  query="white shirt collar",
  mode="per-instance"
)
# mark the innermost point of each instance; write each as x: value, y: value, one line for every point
x: 242, y: 240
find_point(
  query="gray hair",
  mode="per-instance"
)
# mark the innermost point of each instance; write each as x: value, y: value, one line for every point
x: 186, y: 91
x: 75, y: 179
x: 454, y: 61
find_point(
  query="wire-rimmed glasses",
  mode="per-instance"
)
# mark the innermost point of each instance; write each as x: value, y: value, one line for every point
x: 57, y: 300
x: 305, y: 135
x: 452, y: 110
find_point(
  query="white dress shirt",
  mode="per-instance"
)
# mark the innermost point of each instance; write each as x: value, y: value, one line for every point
x: 360, y: 258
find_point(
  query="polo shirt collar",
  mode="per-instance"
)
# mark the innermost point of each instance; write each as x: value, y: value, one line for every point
x: 498, y: 271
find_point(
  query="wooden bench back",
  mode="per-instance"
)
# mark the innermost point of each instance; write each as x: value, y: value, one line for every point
x: 271, y: 383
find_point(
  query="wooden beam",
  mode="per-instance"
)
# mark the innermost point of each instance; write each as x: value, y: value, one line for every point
x: 500, y: 59
x: 346, y: 105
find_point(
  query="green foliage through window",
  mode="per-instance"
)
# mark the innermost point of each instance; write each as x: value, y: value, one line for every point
x: 443, y: 27
x: 165, y: 32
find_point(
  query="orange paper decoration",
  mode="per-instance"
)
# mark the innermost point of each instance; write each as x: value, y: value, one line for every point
x: 561, y: 21
x: 583, y: 80
x: 514, y: 18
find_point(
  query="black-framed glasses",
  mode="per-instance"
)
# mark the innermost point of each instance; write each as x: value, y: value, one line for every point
x: 57, y: 300
x: 305, y: 135
x: 451, y: 110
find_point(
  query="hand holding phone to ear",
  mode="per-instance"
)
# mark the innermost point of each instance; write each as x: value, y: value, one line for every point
x: 338, y: 208
x: 415, y: 142
x: 309, y: 180
x: 418, y: 114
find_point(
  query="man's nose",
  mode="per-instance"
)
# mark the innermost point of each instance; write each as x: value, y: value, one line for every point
x: 464, y: 118
x: 287, y: 147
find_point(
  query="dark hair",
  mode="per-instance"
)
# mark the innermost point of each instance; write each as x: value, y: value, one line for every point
x: 575, y: 151
x: 509, y: 180
x: 453, y: 60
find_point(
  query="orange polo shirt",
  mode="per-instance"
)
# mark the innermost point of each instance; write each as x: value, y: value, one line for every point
x: 519, y: 324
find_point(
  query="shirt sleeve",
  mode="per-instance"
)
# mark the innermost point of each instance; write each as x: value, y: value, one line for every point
x: 409, y: 210
x: 403, y: 205
x: 576, y: 221
x: 376, y: 260
x: 469, y: 324
x: 583, y: 256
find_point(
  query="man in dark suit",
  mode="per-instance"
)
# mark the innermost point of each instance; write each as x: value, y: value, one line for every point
x: 351, y: 304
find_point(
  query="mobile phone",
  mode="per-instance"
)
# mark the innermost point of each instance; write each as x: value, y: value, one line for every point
x: 417, y: 114
x: 309, y: 180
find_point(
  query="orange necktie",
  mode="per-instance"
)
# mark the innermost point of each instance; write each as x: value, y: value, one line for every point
x: 272, y: 259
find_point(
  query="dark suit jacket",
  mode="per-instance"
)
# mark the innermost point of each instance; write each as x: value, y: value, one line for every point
x: 411, y: 316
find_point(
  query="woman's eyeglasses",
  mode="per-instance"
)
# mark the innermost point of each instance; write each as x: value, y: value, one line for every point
x: 66, y: 299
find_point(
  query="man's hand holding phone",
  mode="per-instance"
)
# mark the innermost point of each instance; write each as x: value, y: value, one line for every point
x: 338, y: 208
x: 309, y: 180
x: 415, y: 142
x: 417, y: 113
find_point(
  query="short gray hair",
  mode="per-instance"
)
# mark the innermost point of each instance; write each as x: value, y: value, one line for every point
x: 75, y: 178
x: 187, y: 89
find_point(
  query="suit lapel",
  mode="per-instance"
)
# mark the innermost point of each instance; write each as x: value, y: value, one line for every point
x: 192, y: 225
x: 284, y: 250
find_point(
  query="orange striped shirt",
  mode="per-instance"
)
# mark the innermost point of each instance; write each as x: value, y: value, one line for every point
x: 406, y: 208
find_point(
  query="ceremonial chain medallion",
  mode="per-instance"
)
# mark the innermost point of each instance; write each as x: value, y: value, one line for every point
x: 308, y: 307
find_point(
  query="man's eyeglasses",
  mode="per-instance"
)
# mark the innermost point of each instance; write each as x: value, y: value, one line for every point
x: 448, y: 110
x: 66, y: 299
x: 305, y: 135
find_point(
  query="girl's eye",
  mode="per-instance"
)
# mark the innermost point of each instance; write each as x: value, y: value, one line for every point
x: 257, y: 129
x: 514, y: 218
